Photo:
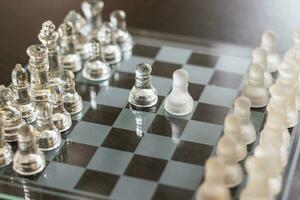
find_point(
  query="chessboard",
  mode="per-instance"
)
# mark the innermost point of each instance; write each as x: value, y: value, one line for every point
x: 114, y: 151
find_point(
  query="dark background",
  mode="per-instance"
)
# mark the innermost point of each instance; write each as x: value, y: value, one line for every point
x: 234, y: 21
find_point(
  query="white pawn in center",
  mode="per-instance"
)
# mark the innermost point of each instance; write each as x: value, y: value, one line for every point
x: 179, y: 101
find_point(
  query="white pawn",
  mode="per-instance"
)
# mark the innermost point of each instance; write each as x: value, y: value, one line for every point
x: 257, y: 186
x: 226, y: 152
x: 259, y: 56
x: 269, y: 43
x: 179, y: 101
x: 213, y: 187
x: 255, y: 89
x: 242, y: 109
x: 232, y: 130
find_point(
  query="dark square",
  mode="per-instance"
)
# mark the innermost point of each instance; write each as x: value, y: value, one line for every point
x: 226, y: 79
x: 167, y: 126
x: 145, y: 51
x: 164, y: 69
x: 102, y: 114
x: 163, y: 192
x: 153, y: 109
x: 146, y: 167
x: 75, y: 153
x: 97, y: 182
x: 122, y: 80
x: 195, y: 90
x: 202, y: 60
x: 191, y: 152
x: 210, y: 113
x: 122, y: 139
x: 86, y: 90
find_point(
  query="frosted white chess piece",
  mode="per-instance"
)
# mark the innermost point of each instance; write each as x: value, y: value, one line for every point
x: 179, y: 101
x: 213, y: 187
x: 269, y: 43
x: 242, y: 109
x: 232, y: 131
x: 255, y: 89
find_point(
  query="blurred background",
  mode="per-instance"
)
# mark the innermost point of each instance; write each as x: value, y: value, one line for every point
x: 232, y: 21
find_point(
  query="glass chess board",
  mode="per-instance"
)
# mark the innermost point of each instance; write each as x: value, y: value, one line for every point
x: 114, y: 151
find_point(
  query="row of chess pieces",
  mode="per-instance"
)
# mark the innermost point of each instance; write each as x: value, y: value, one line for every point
x: 35, y: 113
x: 281, y: 97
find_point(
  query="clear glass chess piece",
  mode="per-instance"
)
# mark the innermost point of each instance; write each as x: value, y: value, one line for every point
x: 48, y: 135
x: 122, y: 36
x: 143, y: 94
x: 6, y: 153
x: 72, y: 100
x: 11, y: 117
x: 94, y: 69
x: 28, y: 160
x: 20, y: 86
x: 61, y: 118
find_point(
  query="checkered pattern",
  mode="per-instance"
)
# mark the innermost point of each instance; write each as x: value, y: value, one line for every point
x: 116, y: 151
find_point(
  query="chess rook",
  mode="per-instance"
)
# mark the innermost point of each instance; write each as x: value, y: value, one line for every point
x: 269, y: 43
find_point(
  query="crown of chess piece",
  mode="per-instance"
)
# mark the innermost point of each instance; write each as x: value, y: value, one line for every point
x: 28, y: 160
x: 242, y: 107
x: 179, y: 101
x: 269, y: 43
x: 226, y: 152
x: 48, y: 37
x: 70, y: 59
x: 122, y: 36
x: 72, y: 100
x: 143, y: 94
x: 94, y: 69
x: 38, y: 67
x: 255, y: 89
x: 11, y: 117
x: 61, y: 118
x: 110, y: 51
x: 257, y: 186
x: 6, y: 153
x: 259, y: 56
x: 213, y: 186
x: 92, y: 10
x: 48, y: 135
x: 20, y: 87
x: 232, y: 131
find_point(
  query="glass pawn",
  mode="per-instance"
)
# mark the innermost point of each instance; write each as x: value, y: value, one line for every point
x: 72, y: 100
x: 28, y: 160
x: 6, y: 153
x: 61, y: 118
x: 94, y: 69
x: 11, y: 117
x: 20, y: 86
x: 143, y: 94
x: 49, y: 136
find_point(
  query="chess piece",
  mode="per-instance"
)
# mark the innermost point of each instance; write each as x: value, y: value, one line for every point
x: 179, y: 101
x: 72, y: 101
x: 255, y: 89
x: 257, y: 186
x: 242, y: 109
x: 259, y: 56
x: 69, y: 58
x: 48, y: 37
x: 226, y: 152
x: 11, y: 117
x: 48, y: 134
x: 232, y: 131
x: 122, y: 36
x: 6, y: 153
x: 269, y: 43
x: 213, y: 186
x: 143, y: 94
x: 61, y: 118
x: 94, y: 69
x: 110, y: 51
x: 38, y: 67
x: 28, y: 159
x: 23, y: 101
